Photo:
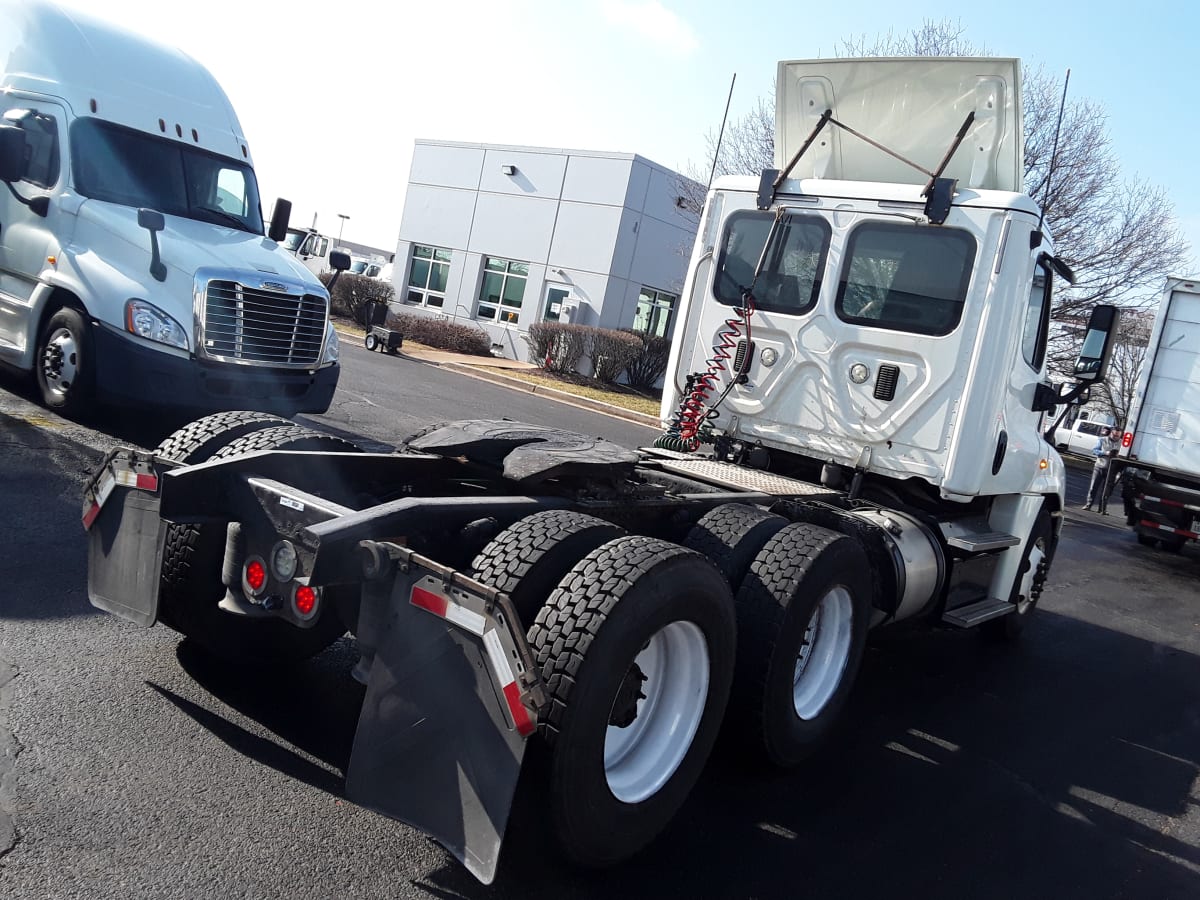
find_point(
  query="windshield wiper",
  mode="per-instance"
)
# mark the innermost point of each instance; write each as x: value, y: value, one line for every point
x: 222, y: 216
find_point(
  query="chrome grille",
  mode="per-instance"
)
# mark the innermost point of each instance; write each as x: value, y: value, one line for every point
x: 263, y: 327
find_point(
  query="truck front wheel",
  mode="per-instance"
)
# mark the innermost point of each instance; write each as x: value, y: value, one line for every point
x: 803, y: 612
x: 190, y: 586
x: 1031, y: 578
x: 65, y: 364
x: 636, y: 651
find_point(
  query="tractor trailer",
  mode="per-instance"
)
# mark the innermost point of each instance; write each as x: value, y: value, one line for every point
x: 852, y: 438
x: 1160, y: 449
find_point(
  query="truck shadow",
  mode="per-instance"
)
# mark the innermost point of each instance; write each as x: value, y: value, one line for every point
x: 1060, y: 768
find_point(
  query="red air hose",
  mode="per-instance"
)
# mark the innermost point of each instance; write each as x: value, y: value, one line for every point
x: 694, y: 409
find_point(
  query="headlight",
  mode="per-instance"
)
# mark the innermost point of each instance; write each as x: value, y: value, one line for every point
x: 331, y: 345
x: 148, y: 321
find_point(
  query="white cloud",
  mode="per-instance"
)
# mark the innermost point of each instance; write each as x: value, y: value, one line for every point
x: 654, y: 22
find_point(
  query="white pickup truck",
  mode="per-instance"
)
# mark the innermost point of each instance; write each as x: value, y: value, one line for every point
x: 1081, y: 436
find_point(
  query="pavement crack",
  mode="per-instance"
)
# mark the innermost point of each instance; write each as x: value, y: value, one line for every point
x: 10, y: 749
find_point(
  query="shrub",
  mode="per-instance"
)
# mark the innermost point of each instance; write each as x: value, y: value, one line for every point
x: 612, y: 351
x: 650, y: 364
x: 352, y: 292
x: 558, y: 346
x: 442, y: 334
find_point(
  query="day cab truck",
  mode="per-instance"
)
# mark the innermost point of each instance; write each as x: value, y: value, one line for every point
x: 853, y: 438
x: 1161, y: 443
x: 134, y: 267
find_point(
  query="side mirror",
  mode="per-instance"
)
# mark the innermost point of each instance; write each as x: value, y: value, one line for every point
x: 339, y: 261
x: 12, y: 153
x: 1098, y: 343
x: 280, y: 218
x: 151, y: 219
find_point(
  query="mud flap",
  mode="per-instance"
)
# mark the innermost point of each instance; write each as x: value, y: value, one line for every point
x: 125, y: 538
x: 437, y: 746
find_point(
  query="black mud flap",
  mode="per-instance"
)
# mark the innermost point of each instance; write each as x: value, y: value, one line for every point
x: 440, y: 738
x: 125, y: 537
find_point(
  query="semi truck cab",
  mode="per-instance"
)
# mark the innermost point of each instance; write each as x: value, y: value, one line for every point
x: 134, y: 266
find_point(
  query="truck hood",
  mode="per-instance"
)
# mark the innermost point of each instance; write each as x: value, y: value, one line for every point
x: 111, y: 232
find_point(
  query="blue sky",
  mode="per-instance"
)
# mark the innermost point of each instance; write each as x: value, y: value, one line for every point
x: 331, y: 96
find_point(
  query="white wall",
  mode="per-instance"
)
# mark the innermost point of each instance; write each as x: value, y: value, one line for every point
x: 604, y: 225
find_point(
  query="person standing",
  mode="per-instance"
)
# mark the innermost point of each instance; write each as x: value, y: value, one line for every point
x: 1106, y: 448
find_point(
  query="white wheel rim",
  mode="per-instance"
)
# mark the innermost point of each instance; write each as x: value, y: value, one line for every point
x: 1025, y: 595
x: 60, y: 361
x: 824, y: 654
x: 641, y: 757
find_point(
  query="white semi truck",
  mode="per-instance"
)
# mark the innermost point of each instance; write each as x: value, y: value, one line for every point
x: 1161, y: 444
x: 133, y: 262
x: 853, y: 439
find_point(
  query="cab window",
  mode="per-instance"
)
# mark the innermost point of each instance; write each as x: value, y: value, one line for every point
x: 41, y: 145
x: 905, y: 278
x: 1036, y: 332
x: 791, y: 275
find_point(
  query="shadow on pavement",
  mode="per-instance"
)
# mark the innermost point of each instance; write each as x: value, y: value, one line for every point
x: 1058, y: 768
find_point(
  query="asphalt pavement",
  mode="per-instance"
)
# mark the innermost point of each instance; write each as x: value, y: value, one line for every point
x: 132, y: 766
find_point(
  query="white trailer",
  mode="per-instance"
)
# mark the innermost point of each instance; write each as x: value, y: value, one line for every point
x: 1162, y: 438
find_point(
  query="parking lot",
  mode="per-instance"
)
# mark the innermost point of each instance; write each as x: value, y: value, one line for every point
x: 132, y: 766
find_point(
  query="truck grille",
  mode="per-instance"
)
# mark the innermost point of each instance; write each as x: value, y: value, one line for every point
x: 264, y: 327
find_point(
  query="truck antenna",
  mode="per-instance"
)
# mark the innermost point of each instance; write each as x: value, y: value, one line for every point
x: 721, y: 135
x: 1053, y: 155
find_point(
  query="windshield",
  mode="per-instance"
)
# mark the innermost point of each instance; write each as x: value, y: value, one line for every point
x: 123, y: 166
x: 293, y: 239
x: 358, y: 267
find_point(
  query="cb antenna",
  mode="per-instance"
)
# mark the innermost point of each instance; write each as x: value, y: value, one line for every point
x: 1054, y: 153
x: 721, y: 135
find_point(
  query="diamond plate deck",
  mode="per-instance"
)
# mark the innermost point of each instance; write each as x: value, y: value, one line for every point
x: 740, y: 478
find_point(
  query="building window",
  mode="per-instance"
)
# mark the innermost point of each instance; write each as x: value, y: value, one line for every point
x: 427, y: 278
x: 502, y: 291
x: 654, y: 311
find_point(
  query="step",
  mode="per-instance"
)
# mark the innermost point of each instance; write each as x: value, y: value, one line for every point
x: 974, y: 613
x: 978, y: 542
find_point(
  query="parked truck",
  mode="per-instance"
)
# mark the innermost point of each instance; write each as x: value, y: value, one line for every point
x: 312, y: 248
x: 1160, y: 449
x: 133, y: 262
x: 852, y: 439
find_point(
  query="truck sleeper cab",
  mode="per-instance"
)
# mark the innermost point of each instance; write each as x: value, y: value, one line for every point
x: 133, y: 262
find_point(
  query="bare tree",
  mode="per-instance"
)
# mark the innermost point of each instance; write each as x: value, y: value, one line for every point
x: 1120, y: 235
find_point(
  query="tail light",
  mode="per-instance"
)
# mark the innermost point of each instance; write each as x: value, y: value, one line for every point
x: 306, y: 601
x: 1127, y: 440
x: 254, y: 576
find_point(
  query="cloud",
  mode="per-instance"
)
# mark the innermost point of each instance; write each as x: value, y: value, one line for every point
x: 654, y: 22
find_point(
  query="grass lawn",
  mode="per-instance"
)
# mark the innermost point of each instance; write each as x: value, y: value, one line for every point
x: 586, y: 387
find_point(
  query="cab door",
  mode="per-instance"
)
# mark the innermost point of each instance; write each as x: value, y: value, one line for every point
x: 27, y: 239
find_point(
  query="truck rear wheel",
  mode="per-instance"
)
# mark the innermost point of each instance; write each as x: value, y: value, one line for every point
x: 636, y: 651
x: 731, y: 535
x: 528, y: 559
x: 191, y: 587
x: 803, y: 611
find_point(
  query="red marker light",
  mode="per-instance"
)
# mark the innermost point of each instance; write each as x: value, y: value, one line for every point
x: 1127, y: 439
x: 256, y: 575
x: 306, y: 600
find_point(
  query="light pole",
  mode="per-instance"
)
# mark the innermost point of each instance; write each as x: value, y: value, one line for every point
x: 342, y: 226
